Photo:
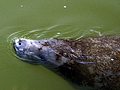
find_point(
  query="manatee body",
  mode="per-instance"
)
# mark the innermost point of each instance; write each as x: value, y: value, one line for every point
x: 94, y: 61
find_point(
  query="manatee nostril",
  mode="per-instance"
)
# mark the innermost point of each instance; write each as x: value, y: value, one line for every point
x: 19, y: 43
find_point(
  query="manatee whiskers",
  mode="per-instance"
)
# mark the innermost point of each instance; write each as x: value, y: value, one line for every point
x: 93, y: 60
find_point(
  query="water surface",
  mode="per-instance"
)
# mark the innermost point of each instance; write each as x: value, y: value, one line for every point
x: 40, y: 19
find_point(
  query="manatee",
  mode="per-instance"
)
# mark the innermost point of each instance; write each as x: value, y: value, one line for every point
x: 91, y: 61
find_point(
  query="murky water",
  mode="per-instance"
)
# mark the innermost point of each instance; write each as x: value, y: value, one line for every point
x: 38, y: 19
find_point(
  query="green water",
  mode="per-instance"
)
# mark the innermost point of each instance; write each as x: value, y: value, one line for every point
x: 37, y: 19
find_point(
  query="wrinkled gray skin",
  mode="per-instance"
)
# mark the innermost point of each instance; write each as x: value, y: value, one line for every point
x: 94, y: 60
x: 37, y: 51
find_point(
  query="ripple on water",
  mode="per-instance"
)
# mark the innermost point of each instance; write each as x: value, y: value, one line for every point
x: 56, y: 31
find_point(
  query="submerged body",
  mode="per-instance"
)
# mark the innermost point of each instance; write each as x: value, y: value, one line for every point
x: 94, y: 60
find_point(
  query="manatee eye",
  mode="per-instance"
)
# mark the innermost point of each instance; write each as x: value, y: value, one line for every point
x: 19, y: 43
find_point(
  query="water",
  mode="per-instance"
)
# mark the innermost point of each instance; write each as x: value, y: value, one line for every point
x: 47, y: 19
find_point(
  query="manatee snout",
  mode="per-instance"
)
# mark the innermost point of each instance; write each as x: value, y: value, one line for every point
x: 30, y: 50
x: 19, y: 44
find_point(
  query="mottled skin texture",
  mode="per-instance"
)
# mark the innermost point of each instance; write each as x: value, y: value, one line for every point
x: 94, y: 61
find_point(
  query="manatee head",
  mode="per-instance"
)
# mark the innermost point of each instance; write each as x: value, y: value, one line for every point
x: 37, y: 51
x: 31, y: 51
